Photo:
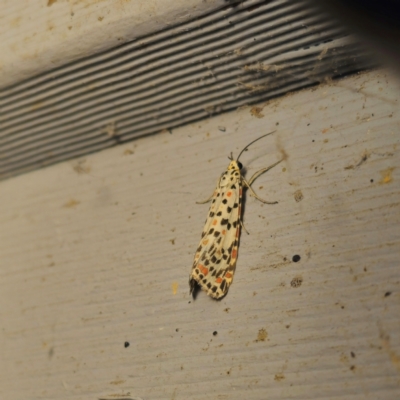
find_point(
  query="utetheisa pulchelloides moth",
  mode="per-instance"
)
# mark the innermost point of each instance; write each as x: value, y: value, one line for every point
x: 215, y: 259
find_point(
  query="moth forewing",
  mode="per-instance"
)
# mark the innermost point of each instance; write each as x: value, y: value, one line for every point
x: 215, y: 258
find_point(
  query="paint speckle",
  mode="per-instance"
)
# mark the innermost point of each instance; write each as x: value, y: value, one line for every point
x: 296, y: 258
x: 175, y: 286
x: 126, y: 344
x: 387, y: 175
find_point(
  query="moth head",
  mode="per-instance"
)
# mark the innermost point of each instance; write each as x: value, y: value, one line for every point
x: 235, y: 165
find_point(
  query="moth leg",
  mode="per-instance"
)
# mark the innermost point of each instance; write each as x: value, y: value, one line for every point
x: 209, y: 199
x: 253, y: 193
x: 242, y: 224
x: 205, y: 201
x: 262, y: 171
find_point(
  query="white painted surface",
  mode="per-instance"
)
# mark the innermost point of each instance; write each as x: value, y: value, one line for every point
x: 97, y: 251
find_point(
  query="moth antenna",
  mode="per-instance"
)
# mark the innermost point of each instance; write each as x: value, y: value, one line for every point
x: 270, y: 133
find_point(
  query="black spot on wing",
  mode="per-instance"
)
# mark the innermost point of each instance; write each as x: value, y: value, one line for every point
x: 223, y: 284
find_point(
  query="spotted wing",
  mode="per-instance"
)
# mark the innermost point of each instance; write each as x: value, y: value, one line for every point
x: 215, y: 259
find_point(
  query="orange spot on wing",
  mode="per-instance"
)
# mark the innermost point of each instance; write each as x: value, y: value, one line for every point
x: 218, y: 280
x: 240, y: 191
x: 203, y: 269
x: 234, y: 253
x: 228, y: 275
x: 205, y: 241
x: 223, y: 231
x: 215, y: 222
x: 229, y: 194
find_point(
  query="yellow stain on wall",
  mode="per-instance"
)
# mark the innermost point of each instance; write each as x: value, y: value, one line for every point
x: 71, y: 203
x: 387, y: 175
x: 175, y: 286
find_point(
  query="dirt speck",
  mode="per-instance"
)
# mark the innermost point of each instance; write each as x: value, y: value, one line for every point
x: 279, y: 377
x: 262, y: 335
x: 117, y: 382
x: 256, y: 112
x: 81, y: 168
x: 298, y: 195
x: 296, y: 282
x: 71, y: 203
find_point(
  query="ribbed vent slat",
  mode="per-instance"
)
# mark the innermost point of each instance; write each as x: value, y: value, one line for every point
x: 238, y: 55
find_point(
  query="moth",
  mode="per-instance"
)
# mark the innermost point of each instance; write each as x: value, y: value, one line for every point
x: 215, y: 259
